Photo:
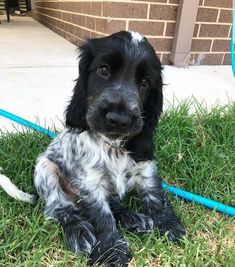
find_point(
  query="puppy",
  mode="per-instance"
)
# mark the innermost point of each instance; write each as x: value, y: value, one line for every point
x: 106, y: 150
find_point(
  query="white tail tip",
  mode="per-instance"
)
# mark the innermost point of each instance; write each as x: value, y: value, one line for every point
x: 13, y: 191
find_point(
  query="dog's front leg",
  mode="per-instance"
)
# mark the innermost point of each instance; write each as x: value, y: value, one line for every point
x: 60, y: 206
x: 155, y: 202
x: 110, y: 248
x: 131, y: 220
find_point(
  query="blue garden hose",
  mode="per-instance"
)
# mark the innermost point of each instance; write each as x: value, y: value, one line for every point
x: 232, y: 44
x: 209, y: 203
x: 27, y: 123
x: 174, y: 190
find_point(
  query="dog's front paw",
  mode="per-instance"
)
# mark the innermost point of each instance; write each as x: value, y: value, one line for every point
x: 135, y: 221
x: 79, y: 236
x: 110, y: 252
x: 174, y: 229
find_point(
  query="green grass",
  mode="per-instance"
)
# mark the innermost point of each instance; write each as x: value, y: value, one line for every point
x: 194, y: 151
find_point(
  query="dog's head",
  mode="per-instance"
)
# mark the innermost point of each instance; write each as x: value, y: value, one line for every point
x: 119, y: 89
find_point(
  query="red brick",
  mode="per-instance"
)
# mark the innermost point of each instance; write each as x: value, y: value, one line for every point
x: 207, y: 14
x: 116, y: 25
x: 68, y: 27
x: 86, y: 7
x: 147, y: 27
x: 53, y: 5
x: 174, y: 2
x: 85, y: 34
x: 77, y: 7
x: 161, y: 44
x: 78, y: 20
x: 77, y: 31
x: 69, y: 17
x: 195, y: 32
x: 156, y: 1
x: 96, y: 8
x: 90, y: 23
x: 219, y: 3
x: 59, y: 24
x: 59, y: 13
x: 68, y: 36
x: 101, y: 25
x: 213, y: 30
x: 225, y: 16
x: 68, y: 6
x: 163, y: 12
x: 125, y: 10
x: 199, y: 45
x: 221, y: 46
x: 170, y: 29
x: 227, y: 59
x: 60, y: 5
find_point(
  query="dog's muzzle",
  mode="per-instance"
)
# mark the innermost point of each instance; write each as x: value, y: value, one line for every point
x: 120, y: 120
x: 116, y: 117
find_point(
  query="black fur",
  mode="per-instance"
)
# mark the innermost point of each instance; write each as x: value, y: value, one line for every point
x: 125, y: 61
x: 107, y: 150
x: 132, y: 221
x: 76, y: 110
x: 156, y: 205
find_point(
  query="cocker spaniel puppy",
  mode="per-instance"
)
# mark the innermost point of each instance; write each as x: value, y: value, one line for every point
x: 106, y: 150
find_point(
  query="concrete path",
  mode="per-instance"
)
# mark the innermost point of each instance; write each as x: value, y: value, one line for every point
x: 38, y: 69
x: 37, y: 72
x: 210, y: 85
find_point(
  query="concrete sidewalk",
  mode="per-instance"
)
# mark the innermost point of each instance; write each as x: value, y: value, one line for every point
x: 38, y: 69
x: 37, y: 72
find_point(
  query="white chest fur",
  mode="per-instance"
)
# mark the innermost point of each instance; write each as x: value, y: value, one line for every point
x: 107, y: 164
x: 96, y: 164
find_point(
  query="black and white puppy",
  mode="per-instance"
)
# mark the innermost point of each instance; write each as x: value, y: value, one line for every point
x: 106, y: 150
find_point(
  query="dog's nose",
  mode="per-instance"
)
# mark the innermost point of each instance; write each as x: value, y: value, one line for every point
x: 118, y: 120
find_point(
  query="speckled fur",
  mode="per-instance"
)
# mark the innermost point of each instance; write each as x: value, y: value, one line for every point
x: 84, y: 174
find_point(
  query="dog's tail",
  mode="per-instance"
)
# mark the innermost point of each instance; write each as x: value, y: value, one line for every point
x: 13, y: 191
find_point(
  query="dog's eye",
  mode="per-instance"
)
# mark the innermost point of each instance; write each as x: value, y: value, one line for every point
x: 144, y: 84
x: 103, y: 72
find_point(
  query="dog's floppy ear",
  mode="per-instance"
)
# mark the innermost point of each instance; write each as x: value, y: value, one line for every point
x: 76, y: 110
x: 141, y: 145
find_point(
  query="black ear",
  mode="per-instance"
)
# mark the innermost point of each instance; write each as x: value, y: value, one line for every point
x: 76, y: 110
x: 141, y: 145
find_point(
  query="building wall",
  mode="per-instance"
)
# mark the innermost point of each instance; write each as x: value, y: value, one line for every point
x: 77, y: 20
x: 211, y: 38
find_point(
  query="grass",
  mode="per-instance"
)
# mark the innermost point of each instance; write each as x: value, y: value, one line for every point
x: 194, y: 151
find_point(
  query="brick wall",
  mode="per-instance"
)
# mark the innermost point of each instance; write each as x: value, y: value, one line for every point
x: 77, y: 20
x: 211, y: 38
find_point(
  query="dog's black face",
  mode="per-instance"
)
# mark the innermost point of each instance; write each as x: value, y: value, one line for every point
x: 119, y: 91
x: 115, y: 95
